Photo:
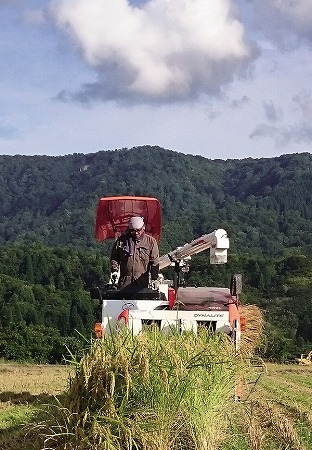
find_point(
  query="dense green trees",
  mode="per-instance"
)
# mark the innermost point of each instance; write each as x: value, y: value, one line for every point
x: 37, y: 343
x: 264, y: 204
x: 46, y: 309
x: 44, y: 295
x: 49, y: 257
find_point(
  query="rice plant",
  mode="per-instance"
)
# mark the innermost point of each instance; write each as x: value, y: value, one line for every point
x: 251, y: 337
x: 148, y: 392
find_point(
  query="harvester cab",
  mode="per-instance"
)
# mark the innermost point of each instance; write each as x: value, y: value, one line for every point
x: 167, y: 303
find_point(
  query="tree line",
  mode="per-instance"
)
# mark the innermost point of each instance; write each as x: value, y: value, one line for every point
x: 263, y: 204
x: 46, y: 310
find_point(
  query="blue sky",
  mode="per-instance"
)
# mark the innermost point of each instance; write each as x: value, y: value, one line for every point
x: 225, y: 79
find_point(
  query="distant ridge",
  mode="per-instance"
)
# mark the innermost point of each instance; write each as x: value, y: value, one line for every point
x: 264, y: 204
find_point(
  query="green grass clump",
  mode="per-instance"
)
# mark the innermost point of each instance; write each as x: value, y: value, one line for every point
x: 14, y: 416
x: 148, y: 392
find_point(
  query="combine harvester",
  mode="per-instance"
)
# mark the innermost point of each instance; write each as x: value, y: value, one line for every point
x: 168, y: 304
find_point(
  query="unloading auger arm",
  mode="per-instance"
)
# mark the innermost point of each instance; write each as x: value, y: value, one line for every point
x: 217, y: 241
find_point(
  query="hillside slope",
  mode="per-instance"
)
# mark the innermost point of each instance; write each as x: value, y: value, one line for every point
x: 264, y: 204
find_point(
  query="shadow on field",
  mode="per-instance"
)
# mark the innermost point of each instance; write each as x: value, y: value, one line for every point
x: 25, y: 436
x: 21, y: 436
x: 21, y: 439
x: 25, y: 398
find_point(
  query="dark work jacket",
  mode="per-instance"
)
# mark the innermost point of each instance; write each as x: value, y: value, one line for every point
x: 136, y: 260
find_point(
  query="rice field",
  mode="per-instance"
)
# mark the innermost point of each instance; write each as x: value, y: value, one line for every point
x: 90, y: 407
x: 24, y: 389
x: 276, y: 412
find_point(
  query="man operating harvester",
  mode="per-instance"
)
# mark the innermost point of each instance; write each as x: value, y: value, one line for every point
x: 136, y: 254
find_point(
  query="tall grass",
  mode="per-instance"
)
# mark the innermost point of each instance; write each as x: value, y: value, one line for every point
x: 148, y: 392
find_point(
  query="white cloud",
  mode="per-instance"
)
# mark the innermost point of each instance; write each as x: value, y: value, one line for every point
x: 303, y: 101
x: 161, y: 51
x: 298, y: 11
x: 237, y: 103
x: 286, y: 22
x: 272, y: 113
x: 185, y: 56
x: 300, y: 133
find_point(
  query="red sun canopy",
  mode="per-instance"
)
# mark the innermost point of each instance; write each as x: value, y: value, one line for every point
x: 113, y: 214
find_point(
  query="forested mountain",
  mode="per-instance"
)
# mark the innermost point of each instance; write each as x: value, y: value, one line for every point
x: 49, y: 258
x: 264, y: 204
